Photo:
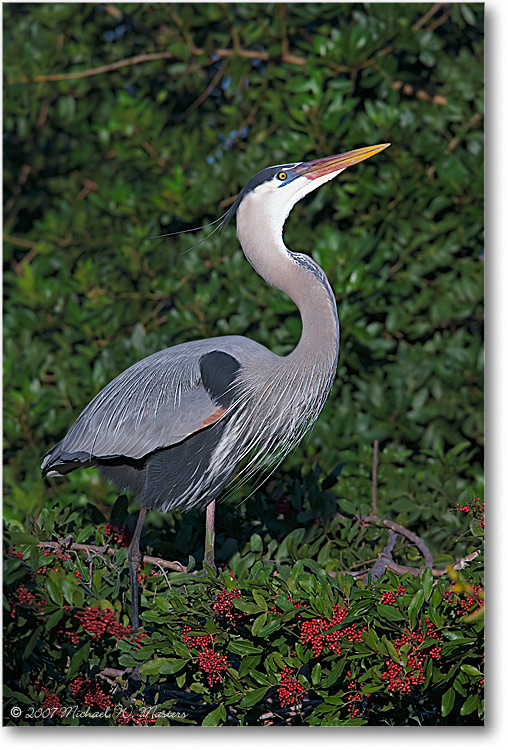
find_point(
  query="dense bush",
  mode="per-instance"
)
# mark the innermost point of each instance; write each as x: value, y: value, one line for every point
x: 95, y: 163
x: 271, y: 639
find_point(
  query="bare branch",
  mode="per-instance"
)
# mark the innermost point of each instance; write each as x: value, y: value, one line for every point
x: 97, y: 71
x: 159, y: 561
x: 423, y: 20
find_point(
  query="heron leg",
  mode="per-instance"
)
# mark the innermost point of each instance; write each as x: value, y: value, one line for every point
x: 134, y: 557
x: 209, y: 558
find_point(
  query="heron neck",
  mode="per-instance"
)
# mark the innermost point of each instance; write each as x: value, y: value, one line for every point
x: 300, y: 278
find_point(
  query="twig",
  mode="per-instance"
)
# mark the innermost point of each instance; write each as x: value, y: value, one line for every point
x: 91, y: 557
x: 18, y: 241
x: 374, y: 476
x: 10, y: 207
x: 111, y: 672
x: 206, y: 93
x: 286, y: 56
x: 164, y: 574
x: 423, y: 20
x: 114, y: 11
x: 456, y: 139
x: 415, y: 27
x: 419, y: 93
x: 153, y: 153
x: 385, y: 557
x: 97, y: 71
x: 427, y: 556
x: 440, y: 21
x: 88, y: 187
x: 175, y: 565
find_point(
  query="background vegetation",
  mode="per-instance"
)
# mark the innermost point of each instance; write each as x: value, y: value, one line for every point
x: 131, y: 120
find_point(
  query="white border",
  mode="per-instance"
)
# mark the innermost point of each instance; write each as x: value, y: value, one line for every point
x: 453, y: 738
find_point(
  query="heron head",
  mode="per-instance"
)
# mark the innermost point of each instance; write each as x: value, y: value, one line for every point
x: 278, y: 188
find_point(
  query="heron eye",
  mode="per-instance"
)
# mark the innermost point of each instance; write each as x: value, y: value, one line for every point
x: 281, y: 176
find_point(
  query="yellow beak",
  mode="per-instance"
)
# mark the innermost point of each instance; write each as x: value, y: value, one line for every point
x: 320, y: 167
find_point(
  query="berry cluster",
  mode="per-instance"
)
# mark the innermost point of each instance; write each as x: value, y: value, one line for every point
x: 51, y: 701
x: 26, y: 599
x: 91, y: 693
x: 390, y: 597
x: 101, y: 622
x: 223, y: 605
x: 137, y: 720
x: 61, y: 555
x: 356, y: 697
x: 402, y: 678
x: 211, y: 663
x: 465, y: 599
x: 196, y: 641
x: 119, y: 533
x: 284, y: 507
x: 314, y: 632
x: 11, y: 552
x: 475, y: 509
x: 290, y: 691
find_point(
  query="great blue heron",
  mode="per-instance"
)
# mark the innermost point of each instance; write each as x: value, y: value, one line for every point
x: 173, y: 428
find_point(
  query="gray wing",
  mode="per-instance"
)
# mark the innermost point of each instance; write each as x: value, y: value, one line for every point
x: 154, y: 404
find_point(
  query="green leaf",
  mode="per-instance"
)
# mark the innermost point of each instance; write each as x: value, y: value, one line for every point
x: 469, y: 705
x: 334, y: 675
x: 447, y: 701
x: 54, y: 619
x: 389, y: 613
x: 31, y: 643
x: 258, y: 623
x: 153, y: 666
x: 414, y: 607
x: 172, y: 665
x: 469, y: 669
x: 77, y: 660
x: 246, y: 607
x: 427, y: 583
x: 54, y: 587
x: 214, y: 717
x: 21, y: 538
x: 259, y: 599
x: 316, y: 674
x: 256, y: 543
x: 253, y: 697
x: 242, y: 647
x: 248, y: 663
x: 392, y: 650
x: 270, y: 627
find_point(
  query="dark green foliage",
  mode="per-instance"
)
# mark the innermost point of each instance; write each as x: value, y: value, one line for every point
x: 93, y: 166
x: 407, y: 650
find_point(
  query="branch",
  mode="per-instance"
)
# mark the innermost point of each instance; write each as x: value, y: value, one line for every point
x: 18, y: 241
x: 385, y: 560
x: 175, y: 565
x: 97, y: 71
x: 423, y: 20
x: 206, y: 93
x: 427, y: 556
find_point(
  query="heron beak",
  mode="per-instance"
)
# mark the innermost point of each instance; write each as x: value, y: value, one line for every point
x: 320, y: 167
